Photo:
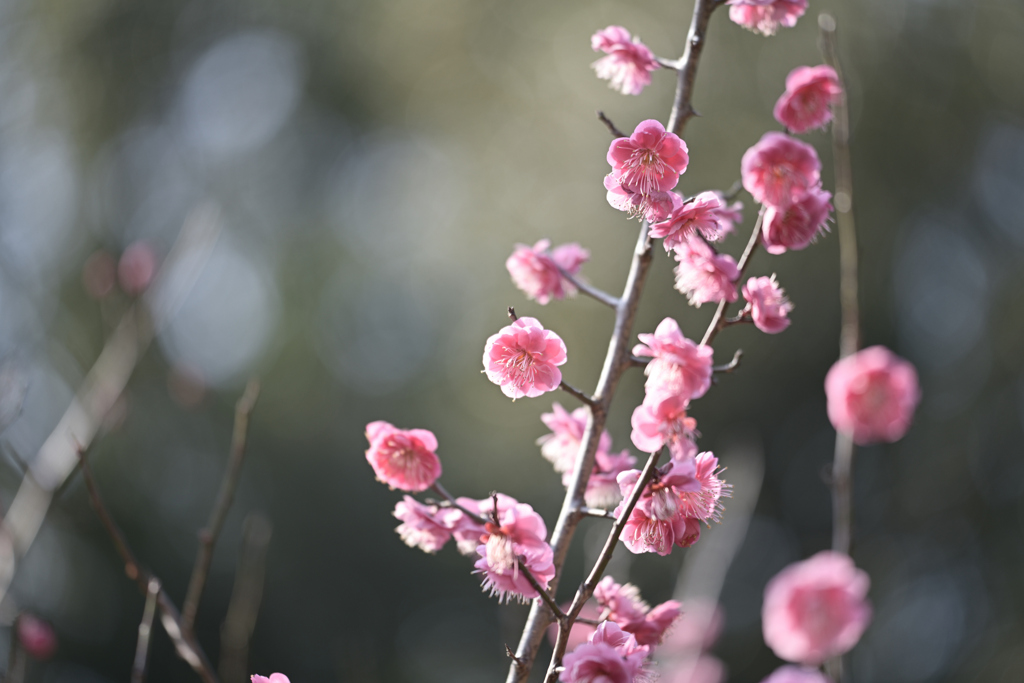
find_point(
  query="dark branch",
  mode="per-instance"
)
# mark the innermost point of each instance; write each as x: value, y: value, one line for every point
x: 570, y: 389
x: 610, y: 126
x: 718, y: 321
x: 731, y: 365
x: 590, y: 290
x: 443, y: 492
x: 145, y: 631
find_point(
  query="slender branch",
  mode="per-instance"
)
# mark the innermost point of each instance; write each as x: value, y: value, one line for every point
x: 609, y: 125
x: 544, y: 595
x: 637, y: 362
x: 682, y: 108
x: 582, y: 396
x: 594, y: 512
x: 15, y: 657
x: 443, y: 492
x: 731, y: 365
x: 246, y: 596
x: 145, y: 630
x: 587, y: 588
x: 185, y: 644
x: 718, y: 321
x: 208, y: 535
x: 590, y: 290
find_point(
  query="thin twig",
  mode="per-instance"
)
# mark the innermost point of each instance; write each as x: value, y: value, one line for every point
x: 184, y: 643
x: 246, y: 596
x: 718, y: 321
x: 573, y: 391
x: 544, y: 595
x: 15, y: 657
x: 682, y: 107
x: 733, y: 192
x: 587, y: 588
x: 145, y: 631
x: 731, y: 365
x: 590, y: 290
x: 637, y: 362
x: 512, y: 313
x: 208, y: 535
x: 609, y: 125
x: 594, y: 512
x: 443, y: 492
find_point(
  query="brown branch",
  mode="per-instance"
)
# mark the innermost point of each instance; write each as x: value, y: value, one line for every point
x: 589, y: 290
x: 443, y: 492
x: 246, y: 596
x: 731, y: 365
x: 544, y: 595
x: 145, y: 631
x: 609, y: 125
x: 573, y: 391
x: 208, y: 535
x: 594, y: 512
x: 185, y: 644
x: 587, y: 588
x: 718, y: 320
x: 682, y: 107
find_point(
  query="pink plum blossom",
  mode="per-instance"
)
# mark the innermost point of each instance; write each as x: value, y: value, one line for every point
x: 602, y: 486
x: 136, y: 268
x: 611, y: 656
x: 778, y: 169
x: 797, y: 225
x: 705, y: 504
x: 522, y: 358
x: 657, y: 522
x: 650, y: 160
x: 274, y: 678
x: 704, y: 275
x: 403, y: 458
x: 728, y: 216
x: 807, y: 102
x: 767, y: 304
x: 622, y: 604
x: 700, y: 669
x: 515, y: 539
x: 872, y: 395
x: 36, y: 636
x: 426, y: 527
x: 469, y: 532
x: 816, y: 609
x: 562, y: 446
x: 701, y: 213
x: 796, y: 674
x: 678, y: 367
x: 629, y: 62
x: 765, y: 16
x: 656, y: 206
x: 664, y: 422
x: 536, y: 271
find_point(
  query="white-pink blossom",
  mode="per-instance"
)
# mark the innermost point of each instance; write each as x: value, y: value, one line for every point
x: 628, y: 64
x: 698, y: 214
x: 426, y: 527
x: 704, y: 275
x: 767, y: 304
x: 522, y: 359
x: 403, y: 458
x: 535, y: 270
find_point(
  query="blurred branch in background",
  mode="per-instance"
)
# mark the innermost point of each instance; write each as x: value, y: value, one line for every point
x: 145, y: 632
x: 238, y: 625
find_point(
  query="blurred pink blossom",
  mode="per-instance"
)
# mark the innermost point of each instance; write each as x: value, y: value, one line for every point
x: 778, y: 169
x: 704, y: 275
x: 36, y: 636
x: 678, y: 367
x: 623, y: 605
x: 664, y: 422
x: 767, y: 304
x: 816, y: 609
x: 603, y: 487
x: 403, y: 459
x: 628, y: 63
x: 611, y: 656
x: 701, y: 213
x: 807, y: 102
x: 872, y: 395
x: 423, y: 526
x: 797, y: 225
x: 765, y: 16
x: 697, y: 629
x: 516, y: 539
x: 522, y: 358
x: 274, y: 678
x: 136, y: 268
x: 656, y: 206
x: 728, y: 216
x: 700, y: 669
x: 562, y: 446
x: 650, y: 160
x: 796, y: 674
x: 99, y: 274
x: 535, y: 271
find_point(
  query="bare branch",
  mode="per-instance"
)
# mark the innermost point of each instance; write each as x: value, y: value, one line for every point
x: 570, y: 389
x: 682, y: 108
x: 208, y: 535
x: 610, y: 126
x: 594, y: 512
x: 145, y: 630
x: 731, y: 365
x: 590, y: 290
x: 236, y: 631
x: 544, y: 595
x: 717, y: 321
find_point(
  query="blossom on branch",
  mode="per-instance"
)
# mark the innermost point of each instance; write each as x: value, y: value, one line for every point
x: 468, y: 531
x: 610, y: 656
x: 522, y: 359
x: 701, y: 213
x: 766, y: 16
x: 872, y: 395
x: 797, y: 225
x: 562, y: 446
x: 661, y: 422
x: 650, y: 160
x: 426, y: 527
x: 706, y: 504
x: 778, y: 169
x: 678, y: 367
x: 767, y: 304
x: 629, y: 62
x: 656, y: 206
x: 515, y: 539
x: 658, y: 522
x: 536, y: 271
x: 807, y: 102
x: 704, y: 275
x: 816, y: 609
x: 403, y: 458
x: 622, y: 604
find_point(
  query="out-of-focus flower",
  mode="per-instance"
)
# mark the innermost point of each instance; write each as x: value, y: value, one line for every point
x: 136, y: 268
x: 99, y: 273
x: 678, y: 367
x: 796, y: 674
x: 403, y: 458
x: 535, y: 271
x: 766, y: 16
x: 701, y: 669
x: 795, y: 226
x: 603, y: 487
x: 702, y: 213
x: 650, y: 160
x: 807, y: 102
x: 703, y: 275
x: 36, y: 636
x: 872, y: 395
x: 728, y: 215
x: 653, y: 207
x: 628, y: 64
x: 522, y: 359
x: 664, y: 422
x: 423, y: 526
x: 767, y: 304
x: 778, y: 169
x: 562, y: 446
x: 816, y: 609
x: 622, y: 604
x: 517, y: 539
x: 611, y: 656
x: 274, y: 678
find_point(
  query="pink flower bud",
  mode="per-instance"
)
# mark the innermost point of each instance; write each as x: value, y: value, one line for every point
x: 629, y: 62
x: 36, y: 636
x: 136, y: 268
x: 768, y: 304
x: 274, y: 678
x: 522, y: 359
x: 872, y: 395
x: 807, y: 102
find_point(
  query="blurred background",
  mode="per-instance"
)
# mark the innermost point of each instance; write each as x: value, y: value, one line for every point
x: 372, y: 165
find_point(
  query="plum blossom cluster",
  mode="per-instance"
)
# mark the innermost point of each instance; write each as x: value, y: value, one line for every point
x: 766, y: 16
